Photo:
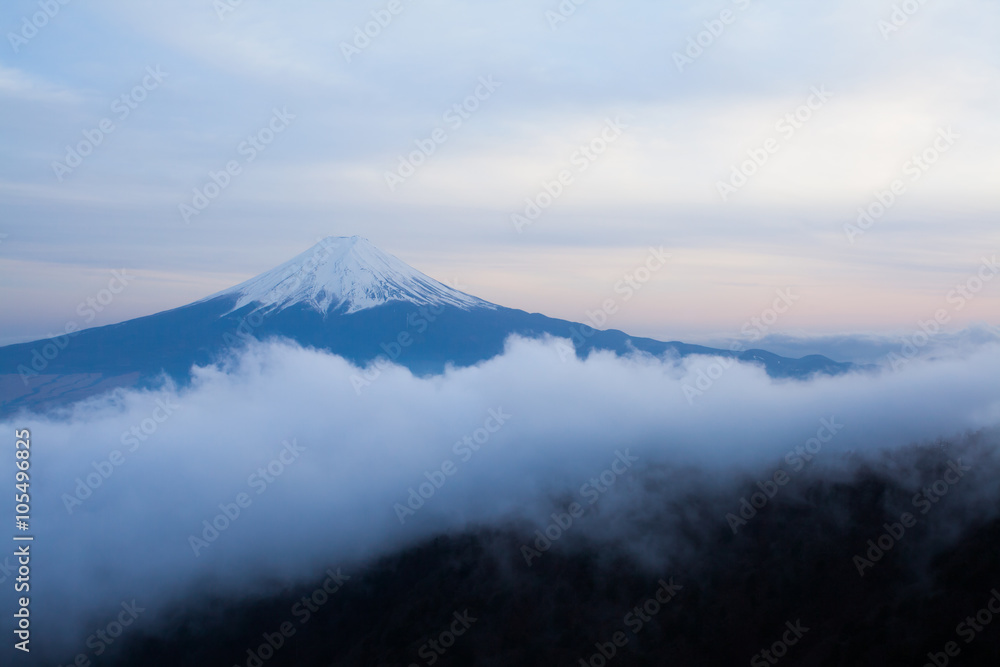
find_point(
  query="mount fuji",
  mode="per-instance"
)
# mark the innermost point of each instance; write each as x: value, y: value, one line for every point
x: 344, y: 296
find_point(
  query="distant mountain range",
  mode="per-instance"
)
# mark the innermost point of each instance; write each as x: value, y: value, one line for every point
x: 343, y: 295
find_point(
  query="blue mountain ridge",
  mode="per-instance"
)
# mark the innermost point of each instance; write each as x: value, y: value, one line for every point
x: 384, y: 309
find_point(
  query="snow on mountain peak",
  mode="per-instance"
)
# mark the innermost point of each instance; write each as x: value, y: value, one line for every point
x: 348, y: 274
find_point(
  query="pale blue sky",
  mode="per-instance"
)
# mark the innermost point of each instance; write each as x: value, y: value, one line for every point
x: 656, y: 184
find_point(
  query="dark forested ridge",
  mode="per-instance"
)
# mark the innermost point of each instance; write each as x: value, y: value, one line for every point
x: 787, y: 582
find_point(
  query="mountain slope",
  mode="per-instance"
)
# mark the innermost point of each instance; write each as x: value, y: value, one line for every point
x: 344, y: 296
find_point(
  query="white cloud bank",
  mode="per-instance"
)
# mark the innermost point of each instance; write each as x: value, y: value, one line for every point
x: 544, y: 425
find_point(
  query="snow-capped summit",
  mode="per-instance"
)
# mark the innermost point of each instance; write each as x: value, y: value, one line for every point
x: 346, y: 274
